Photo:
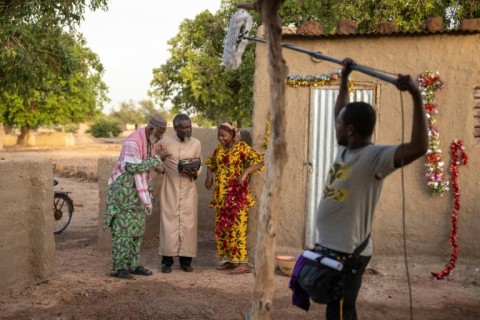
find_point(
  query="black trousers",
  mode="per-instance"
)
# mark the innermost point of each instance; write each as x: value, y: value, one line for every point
x: 353, y: 282
x: 184, y: 261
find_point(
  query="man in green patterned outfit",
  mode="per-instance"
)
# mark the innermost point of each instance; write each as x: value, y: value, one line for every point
x: 129, y: 199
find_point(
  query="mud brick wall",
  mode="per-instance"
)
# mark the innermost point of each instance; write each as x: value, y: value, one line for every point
x: 27, y: 244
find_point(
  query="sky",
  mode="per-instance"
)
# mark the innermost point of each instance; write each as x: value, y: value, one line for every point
x: 131, y: 39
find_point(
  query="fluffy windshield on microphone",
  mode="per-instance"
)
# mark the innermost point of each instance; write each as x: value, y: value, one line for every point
x: 235, y: 43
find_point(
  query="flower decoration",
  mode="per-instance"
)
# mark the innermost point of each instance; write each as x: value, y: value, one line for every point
x: 236, y: 199
x: 316, y: 81
x: 458, y: 157
x: 429, y: 83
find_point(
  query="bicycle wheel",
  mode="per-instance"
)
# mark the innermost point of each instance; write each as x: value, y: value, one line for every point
x: 62, y: 212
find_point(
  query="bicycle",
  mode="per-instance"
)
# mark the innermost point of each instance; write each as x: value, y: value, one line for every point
x: 62, y: 209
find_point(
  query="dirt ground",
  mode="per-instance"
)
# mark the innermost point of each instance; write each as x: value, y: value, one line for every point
x: 82, y: 289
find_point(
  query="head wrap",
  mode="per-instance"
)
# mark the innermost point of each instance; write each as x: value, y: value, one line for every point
x: 227, y: 126
x: 157, y: 121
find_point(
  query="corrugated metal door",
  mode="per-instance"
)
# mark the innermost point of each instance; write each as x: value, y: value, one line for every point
x: 322, y: 148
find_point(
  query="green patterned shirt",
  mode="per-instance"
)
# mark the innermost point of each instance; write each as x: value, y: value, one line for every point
x: 123, y: 204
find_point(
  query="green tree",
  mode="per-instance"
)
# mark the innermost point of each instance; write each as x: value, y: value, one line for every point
x: 194, y: 80
x: 31, y: 37
x: 60, y: 98
x: 47, y: 74
x: 407, y: 14
x: 128, y: 113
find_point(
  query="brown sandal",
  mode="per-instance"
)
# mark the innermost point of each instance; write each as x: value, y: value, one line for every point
x: 241, y: 269
x: 225, y: 266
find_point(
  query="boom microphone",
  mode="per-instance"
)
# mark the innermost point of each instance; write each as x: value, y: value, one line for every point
x: 237, y: 39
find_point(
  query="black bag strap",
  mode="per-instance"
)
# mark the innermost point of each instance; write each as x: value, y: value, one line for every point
x: 360, y: 248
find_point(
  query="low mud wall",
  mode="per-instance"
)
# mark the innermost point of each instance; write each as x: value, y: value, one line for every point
x: 86, y: 171
x: 27, y: 244
x: 42, y: 139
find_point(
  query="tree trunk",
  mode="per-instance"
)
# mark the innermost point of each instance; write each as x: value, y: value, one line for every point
x: 24, y: 136
x: 264, y: 288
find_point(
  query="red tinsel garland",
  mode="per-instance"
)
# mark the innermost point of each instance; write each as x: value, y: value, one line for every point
x: 458, y: 157
x: 236, y: 199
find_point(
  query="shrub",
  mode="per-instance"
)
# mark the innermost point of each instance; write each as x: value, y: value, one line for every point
x: 105, y: 129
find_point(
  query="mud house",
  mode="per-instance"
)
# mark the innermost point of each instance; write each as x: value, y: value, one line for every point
x: 449, y: 55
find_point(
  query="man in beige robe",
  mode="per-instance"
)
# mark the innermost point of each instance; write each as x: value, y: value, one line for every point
x: 178, y: 197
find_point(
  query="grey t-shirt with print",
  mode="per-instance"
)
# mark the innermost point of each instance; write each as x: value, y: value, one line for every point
x: 350, y: 195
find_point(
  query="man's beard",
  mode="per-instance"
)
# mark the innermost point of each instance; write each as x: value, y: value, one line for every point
x: 182, y: 139
x: 153, y: 139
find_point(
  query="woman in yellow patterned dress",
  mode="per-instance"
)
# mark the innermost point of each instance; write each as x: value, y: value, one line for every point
x: 231, y: 163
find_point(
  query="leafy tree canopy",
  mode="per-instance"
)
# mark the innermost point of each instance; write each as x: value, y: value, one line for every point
x: 407, y: 14
x: 33, y: 42
x: 47, y: 74
x: 195, y: 81
x: 75, y: 97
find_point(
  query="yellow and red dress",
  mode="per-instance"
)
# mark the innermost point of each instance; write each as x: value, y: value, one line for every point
x: 231, y: 200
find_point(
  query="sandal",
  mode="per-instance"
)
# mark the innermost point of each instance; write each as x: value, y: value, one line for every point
x: 225, y: 266
x: 241, y: 269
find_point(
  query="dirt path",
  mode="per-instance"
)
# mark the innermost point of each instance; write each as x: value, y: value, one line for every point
x: 82, y: 289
